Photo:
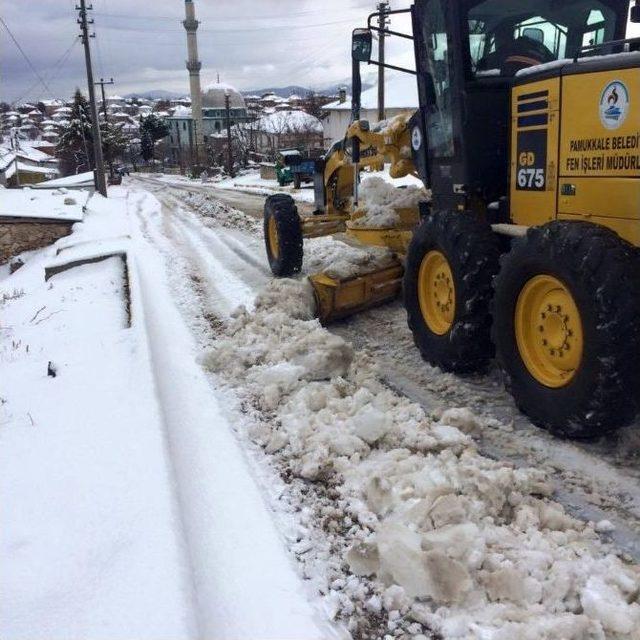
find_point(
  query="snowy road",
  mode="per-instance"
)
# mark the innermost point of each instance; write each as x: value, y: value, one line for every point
x: 262, y: 477
x: 226, y: 267
x: 244, y: 584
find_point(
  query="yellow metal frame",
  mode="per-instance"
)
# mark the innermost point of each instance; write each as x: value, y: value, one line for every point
x: 341, y: 298
x: 592, y: 170
x: 323, y: 225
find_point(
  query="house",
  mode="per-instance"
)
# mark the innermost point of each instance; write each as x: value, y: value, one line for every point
x: 26, y: 164
x: 32, y: 219
x: 401, y: 96
x: 281, y: 129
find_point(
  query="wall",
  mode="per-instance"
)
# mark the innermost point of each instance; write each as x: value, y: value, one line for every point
x: 16, y: 237
x: 337, y: 121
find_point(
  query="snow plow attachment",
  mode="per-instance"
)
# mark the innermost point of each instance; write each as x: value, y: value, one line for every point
x: 337, y: 299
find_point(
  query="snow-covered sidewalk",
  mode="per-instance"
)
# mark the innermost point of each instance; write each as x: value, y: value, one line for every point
x: 128, y: 510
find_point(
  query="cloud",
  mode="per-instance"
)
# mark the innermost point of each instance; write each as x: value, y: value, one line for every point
x: 142, y: 45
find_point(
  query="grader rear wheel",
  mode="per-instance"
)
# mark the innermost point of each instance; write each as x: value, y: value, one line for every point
x: 447, y: 289
x: 283, y: 235
x: 567, y: 328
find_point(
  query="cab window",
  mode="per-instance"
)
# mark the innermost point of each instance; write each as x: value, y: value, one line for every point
x: 505, y: 37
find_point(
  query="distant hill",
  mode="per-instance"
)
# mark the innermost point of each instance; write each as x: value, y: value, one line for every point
x: 156, y: 94
x: 285, y: 92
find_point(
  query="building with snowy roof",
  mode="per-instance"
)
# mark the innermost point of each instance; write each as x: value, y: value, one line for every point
x: 25, y: 165
x: 214, y: 117
x: 401, y: 96
x: 282, y: 129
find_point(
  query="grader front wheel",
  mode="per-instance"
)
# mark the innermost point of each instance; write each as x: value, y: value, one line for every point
x: 451, y: 261
x: 566, y: 326
x: 283, y: 235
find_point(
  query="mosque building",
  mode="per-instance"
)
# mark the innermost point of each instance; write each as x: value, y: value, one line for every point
x: 190, y: 127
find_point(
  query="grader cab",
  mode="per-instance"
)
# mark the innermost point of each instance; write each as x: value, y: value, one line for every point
x: 528, y: 138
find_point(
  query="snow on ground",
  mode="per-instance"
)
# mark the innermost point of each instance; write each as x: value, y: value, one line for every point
x: 89, y: 545
x: 400, y: 524
x: 53, y: 204
x: 424, y: 534
x: 127, y: 506
x: 395, y: 519
x: 250, y: 182
x: 80, y: 180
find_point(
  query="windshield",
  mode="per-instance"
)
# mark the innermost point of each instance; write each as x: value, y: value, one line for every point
x: 505, y: 37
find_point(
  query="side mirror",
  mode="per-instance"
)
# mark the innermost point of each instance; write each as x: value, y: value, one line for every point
x: 635, y: 12
x: 361, y: 45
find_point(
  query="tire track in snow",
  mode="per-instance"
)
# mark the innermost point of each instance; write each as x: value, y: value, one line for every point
x: 233, y: 291
x: 222, y: 244
x: 244, y: 582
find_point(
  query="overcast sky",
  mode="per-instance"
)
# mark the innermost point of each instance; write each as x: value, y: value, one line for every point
x: 251, y: 43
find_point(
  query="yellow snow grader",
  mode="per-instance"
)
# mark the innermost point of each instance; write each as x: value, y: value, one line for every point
x: 528, y: 137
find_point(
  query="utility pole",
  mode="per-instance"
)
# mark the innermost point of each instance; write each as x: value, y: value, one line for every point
x: 100, y: 181
x: 383, y: 7
x: 102, y: 82
x: 229, y: 149
x: 15, y: 146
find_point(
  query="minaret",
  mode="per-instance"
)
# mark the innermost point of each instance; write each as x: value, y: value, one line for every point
x: 193, y: 66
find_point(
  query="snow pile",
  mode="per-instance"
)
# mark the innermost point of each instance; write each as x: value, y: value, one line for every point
x: 380, y: 200
x: 219, y: 213
x: 340, y: 260
x: 402, y: 526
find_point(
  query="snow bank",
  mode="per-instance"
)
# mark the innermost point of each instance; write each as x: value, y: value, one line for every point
x: 379, y: 201
x: 89, y: 543
x: 402, y: 526
x: 340, y: 260
x: 219, y: 213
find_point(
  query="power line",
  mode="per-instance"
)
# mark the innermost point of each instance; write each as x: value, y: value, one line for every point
x: 52, y: 73
x: 243, y: 30
x: 26, y: 57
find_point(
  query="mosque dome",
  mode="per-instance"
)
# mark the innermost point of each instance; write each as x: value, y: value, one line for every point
x: 213, y: 97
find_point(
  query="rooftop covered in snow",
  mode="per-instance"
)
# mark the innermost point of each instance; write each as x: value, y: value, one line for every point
x: 49, y: 204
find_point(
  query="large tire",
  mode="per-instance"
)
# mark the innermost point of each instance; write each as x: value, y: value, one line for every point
x: 598, y: 329
x: 461, y: 343
x: 283, y: 235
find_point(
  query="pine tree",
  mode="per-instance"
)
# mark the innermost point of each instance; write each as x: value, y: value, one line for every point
x: 75, y: 148
x: 152, y: 128
x: 113, y: 142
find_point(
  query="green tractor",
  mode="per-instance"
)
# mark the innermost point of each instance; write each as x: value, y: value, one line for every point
x: 292, y: 166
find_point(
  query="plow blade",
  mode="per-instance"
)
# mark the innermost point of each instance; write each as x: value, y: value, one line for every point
x: 316, y: 226
x: 338, y: 299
